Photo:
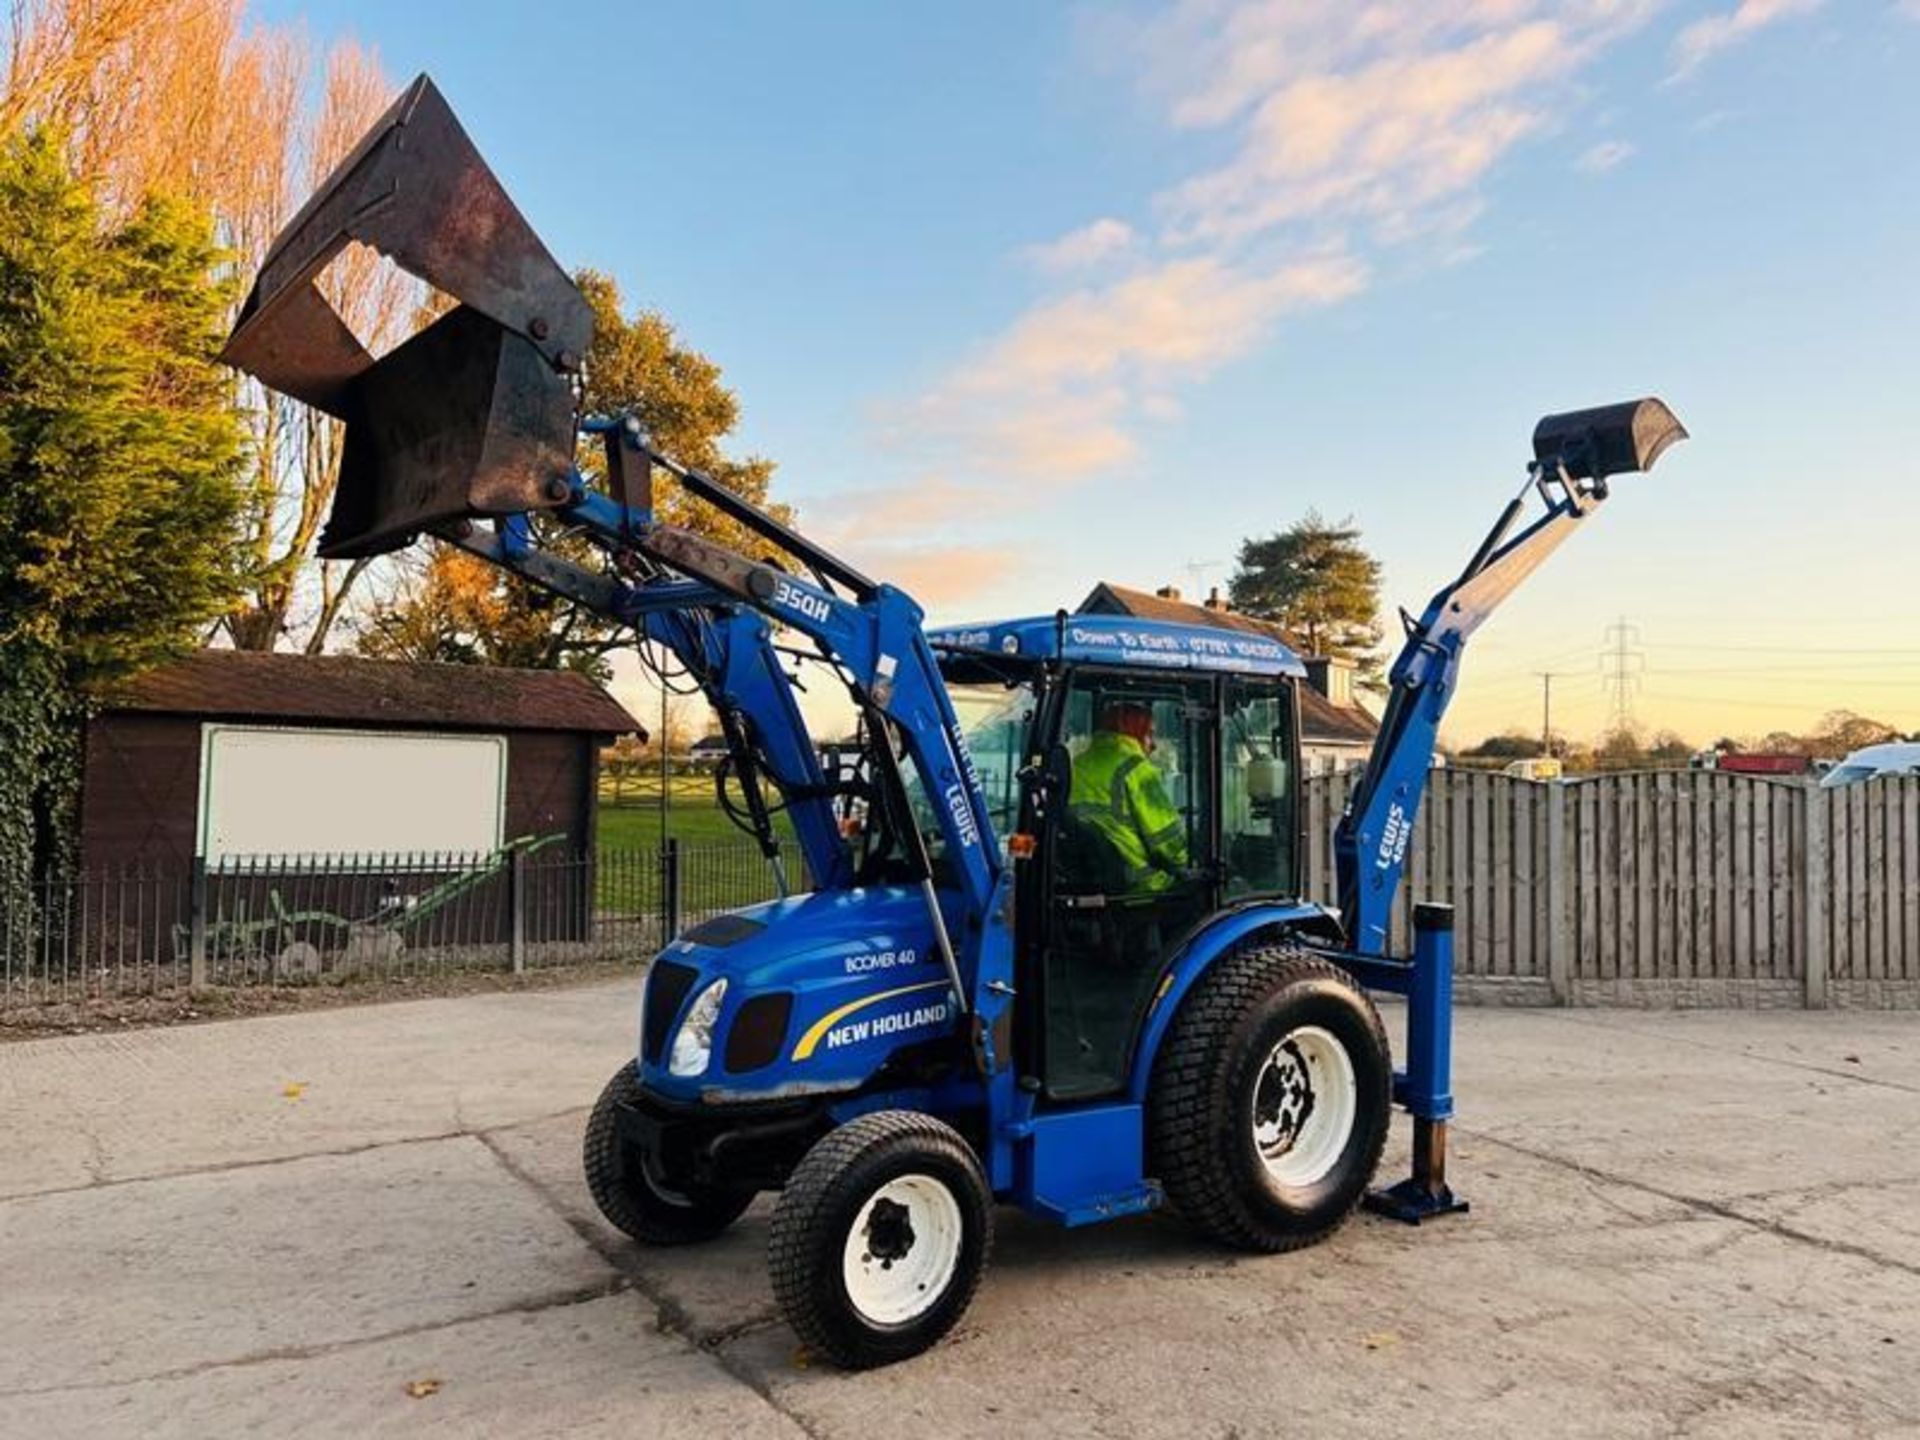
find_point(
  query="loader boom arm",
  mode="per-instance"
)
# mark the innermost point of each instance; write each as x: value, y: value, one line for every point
x: 715, y: 610
x: 1574, y: 455
x: 469, y: 431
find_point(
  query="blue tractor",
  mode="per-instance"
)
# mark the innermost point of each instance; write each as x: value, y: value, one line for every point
x: 1049, y: 946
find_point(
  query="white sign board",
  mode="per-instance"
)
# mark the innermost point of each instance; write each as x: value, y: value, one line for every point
x: 279, y: 791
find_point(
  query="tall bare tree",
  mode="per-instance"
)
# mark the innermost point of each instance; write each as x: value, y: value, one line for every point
x: 185, y: 97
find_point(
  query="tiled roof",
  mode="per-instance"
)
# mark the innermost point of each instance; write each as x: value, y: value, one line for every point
x: 1321, y: 721
x: 245, y: 684
x: 1326, y: 723
x: 1109, y: 599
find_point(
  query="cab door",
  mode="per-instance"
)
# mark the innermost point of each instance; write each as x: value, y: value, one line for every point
x: 1260, y: 829
x: 1131, y: 865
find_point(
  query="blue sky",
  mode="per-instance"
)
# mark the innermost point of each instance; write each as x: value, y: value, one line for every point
x: 1021, y: 297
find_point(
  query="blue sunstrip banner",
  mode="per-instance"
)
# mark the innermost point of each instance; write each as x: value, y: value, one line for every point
x: 1122, y: 640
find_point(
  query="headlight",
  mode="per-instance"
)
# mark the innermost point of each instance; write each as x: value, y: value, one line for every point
x: 693, y: 1042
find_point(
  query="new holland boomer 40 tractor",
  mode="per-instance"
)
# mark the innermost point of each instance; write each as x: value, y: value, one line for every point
x: 985, y: 991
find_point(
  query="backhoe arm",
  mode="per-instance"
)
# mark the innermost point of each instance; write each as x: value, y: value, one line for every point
x: 1574, y: 455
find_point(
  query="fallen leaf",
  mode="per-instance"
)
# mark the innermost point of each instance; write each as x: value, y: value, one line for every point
x: 294, y: 1089
x: 420, y: 1389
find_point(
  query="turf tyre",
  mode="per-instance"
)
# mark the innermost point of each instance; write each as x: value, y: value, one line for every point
x: 1205, y: 1095
x: 629, y: 1189
x: 830, y: 1202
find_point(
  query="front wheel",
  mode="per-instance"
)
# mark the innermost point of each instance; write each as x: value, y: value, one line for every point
x: 880, y: 1238
x: 1271, y: 1099
x: 632, y: 1187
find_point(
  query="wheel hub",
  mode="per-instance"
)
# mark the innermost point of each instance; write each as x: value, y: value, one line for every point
x: 1285, y: 1100
x: 903, y: 1249
x: 889, y: 1232
x: 1304, y: 1105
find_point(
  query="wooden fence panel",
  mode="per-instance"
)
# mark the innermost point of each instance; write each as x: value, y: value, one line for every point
x: 1669, y: 878
x: 1872, y: 879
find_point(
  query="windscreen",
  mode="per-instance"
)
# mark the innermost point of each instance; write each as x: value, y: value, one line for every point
x: 997, y: 720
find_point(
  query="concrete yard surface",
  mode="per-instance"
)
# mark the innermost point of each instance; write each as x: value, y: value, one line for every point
x: 371, y: 1222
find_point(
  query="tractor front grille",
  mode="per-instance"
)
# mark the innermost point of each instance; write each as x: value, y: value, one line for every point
x: 758, y: 1030
x: 667, y: 987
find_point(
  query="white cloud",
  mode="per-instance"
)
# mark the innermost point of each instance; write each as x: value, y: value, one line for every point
x: 1052, y: 396
x: 1380, y: 113
x: 1105, y: 239
x: 1703, y: 39
x: 1348, y: 129
x: 1604, y: 156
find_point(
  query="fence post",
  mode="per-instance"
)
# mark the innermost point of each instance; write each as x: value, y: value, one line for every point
x: 517, y: 910
x: 197, y: 924
x: 1559, y: 926
x: 669, y: 888
x: 1816, y: 896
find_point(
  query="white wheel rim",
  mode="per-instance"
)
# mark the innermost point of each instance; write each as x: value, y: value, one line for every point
x: 1304, y: 1102
x: 903, y: 1250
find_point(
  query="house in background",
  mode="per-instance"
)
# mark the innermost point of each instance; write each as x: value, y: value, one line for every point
x: 1335, y: 732
x: 230, y: 754
x: 707, y: 752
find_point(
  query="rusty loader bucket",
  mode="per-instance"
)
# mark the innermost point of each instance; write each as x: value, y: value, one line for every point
x: 473, y: 416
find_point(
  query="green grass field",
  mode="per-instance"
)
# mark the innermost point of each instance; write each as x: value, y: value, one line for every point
x: 693, y: 816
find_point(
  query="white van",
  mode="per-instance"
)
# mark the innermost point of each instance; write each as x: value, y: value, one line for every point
x: 1900, y: 757
x: 1541, y: 767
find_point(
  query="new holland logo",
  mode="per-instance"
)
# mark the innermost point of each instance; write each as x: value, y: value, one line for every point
x: 855, y: 1031
x: 837, y: 1028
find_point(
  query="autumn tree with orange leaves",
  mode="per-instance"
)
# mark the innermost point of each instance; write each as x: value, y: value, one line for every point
x: 463, y: 610
x: 189, y: 99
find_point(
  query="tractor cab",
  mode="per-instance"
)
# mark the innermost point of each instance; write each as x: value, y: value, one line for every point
x: 1125, y: 842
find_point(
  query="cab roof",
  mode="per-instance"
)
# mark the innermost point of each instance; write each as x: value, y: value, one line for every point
x: 1121, y: 640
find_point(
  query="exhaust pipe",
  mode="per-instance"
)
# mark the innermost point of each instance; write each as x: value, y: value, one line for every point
x: 474, y: 416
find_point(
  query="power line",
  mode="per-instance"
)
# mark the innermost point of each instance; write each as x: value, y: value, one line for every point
x: 1810, y: 647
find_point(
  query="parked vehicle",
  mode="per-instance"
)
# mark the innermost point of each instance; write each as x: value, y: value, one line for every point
x: 1740, y: 763
x: 1898, y: 757
x: 1540, y: 767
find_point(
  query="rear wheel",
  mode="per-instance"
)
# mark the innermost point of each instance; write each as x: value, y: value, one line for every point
x: 880, y: 1238
x: 633, y: 1187
x: 1271, y: 1099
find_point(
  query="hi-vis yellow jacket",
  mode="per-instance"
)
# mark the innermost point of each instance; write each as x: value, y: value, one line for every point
x: 1118, y: 792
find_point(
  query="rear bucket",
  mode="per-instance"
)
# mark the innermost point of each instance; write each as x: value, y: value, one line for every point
x: 473, y: 416
x: 1608, y: 439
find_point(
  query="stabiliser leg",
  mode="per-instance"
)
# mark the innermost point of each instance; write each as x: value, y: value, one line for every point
x: 1427, y: 1088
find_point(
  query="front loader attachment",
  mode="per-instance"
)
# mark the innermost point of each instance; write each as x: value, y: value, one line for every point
x: 475, y: 414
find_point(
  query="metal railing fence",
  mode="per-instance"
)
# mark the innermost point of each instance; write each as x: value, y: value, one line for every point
x: 304, y: 920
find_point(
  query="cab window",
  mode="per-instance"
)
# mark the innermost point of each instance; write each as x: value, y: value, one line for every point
x: 1257, y: 830
x: 997, y: 721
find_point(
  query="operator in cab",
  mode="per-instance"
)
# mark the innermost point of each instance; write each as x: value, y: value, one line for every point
x: 1119, y: 794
